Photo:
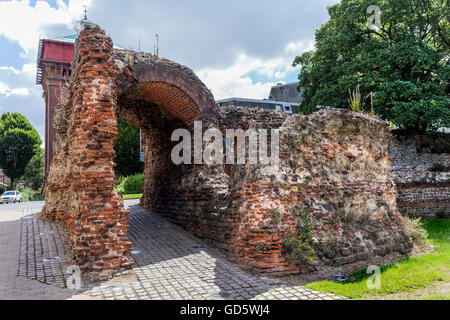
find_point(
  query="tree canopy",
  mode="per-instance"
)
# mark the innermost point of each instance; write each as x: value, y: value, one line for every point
x: 19, y: 141
x: 127, y: 148
x: 402, y: 67
x: 34, y: 174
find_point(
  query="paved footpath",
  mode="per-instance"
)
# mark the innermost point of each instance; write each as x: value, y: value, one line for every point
x: 170, y: 264
x: 11, y: 285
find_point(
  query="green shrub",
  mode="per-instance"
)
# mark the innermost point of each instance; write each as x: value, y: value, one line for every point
x: 133, y: 184
x: 119, y: 180
x: 27, y: 195
x: 300, y: 250
x: 414, y: 230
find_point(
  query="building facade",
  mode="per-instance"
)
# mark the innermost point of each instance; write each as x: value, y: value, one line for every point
x: 53, y: 71
x: 283, y: 97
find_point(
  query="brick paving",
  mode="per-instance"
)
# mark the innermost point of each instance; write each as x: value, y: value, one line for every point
x: 42, y: 255
x: 170, y: 264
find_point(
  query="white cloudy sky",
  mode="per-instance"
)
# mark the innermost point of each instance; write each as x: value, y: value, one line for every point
x: 238, y: 48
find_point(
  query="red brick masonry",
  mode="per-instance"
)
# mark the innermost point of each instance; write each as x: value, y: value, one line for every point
x: 334, y: 164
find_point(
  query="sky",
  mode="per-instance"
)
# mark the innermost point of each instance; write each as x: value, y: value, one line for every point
x: 237, y: 48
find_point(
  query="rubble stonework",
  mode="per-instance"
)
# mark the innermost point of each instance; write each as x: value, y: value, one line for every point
x: 422, y: 175
x: 334, y: 167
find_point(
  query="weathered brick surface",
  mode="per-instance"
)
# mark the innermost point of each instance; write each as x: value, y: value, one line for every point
x: 334, y: 164
x: 80, y: 188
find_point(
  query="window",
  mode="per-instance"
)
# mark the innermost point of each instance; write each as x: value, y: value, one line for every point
x: 287, y: 109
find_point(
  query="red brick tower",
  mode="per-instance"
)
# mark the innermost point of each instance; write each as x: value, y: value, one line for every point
x: 54, y: 69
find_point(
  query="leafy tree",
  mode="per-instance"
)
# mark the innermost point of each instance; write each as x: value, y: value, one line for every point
x: 402, y: 68
x: 34, y: 172
x: 18, y: 143
x: 127, y: 148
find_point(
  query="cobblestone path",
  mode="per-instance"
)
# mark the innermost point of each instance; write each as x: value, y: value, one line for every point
x: 170, y: 264
x: 173, y: 264
x: 42, y: 255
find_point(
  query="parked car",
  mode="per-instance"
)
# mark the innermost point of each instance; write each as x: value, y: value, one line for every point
x: 11, y: 196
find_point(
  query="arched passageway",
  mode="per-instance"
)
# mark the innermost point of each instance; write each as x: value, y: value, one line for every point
x: 154, y: 94
x: 159, y: 96
x: 249, y: 209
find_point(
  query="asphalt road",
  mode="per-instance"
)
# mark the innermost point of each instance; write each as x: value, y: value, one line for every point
x: 14, y: 207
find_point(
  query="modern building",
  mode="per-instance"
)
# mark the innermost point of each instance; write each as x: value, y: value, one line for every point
x: 286, y: 92
x: 262, y: 104
x: 284, y: 97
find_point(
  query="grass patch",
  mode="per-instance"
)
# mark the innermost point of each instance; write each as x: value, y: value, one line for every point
x: 406, y: 275
x: 132, y: 196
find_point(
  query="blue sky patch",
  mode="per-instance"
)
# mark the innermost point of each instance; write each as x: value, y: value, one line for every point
x: 291, y: 76
x: 9, y: 53
x: 52, y: 3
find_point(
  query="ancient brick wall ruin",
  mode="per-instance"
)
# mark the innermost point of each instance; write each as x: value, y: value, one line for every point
x: 80, y: 184
x: 334, y: 166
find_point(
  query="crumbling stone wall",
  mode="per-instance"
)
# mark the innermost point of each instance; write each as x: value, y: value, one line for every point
x: 421, y: 170
x: 80, y: 184
x: 334, y: 167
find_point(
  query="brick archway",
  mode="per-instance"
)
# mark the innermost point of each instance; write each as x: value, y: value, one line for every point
x: 152, y: 93
x: 159, y: 96
x: 248, y: 210
x: 173, y: 87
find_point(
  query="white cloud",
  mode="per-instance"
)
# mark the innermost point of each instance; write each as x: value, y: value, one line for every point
x: 14, y: 70
x: 24, y: 23
x: 299, y: 47
x: 19, y: 93
x: 234, y: 81
x: 7, y: 91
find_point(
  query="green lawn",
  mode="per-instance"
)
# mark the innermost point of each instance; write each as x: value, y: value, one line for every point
x: 132, y: 196
x: 407, y: 275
